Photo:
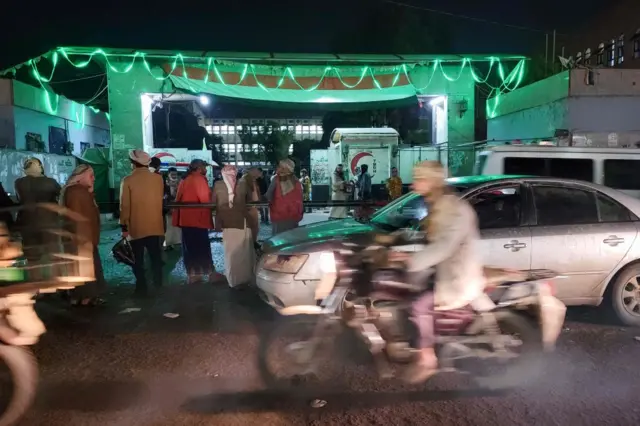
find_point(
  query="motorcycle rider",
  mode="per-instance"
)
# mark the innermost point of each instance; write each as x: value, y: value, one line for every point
x: 452, y: 249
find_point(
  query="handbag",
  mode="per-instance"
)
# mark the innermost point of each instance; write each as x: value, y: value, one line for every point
x: 123, y: 253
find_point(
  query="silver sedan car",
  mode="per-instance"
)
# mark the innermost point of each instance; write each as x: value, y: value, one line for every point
x: 585, y: 231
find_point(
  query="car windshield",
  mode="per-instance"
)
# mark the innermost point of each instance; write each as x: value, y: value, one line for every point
x: 407, y: 211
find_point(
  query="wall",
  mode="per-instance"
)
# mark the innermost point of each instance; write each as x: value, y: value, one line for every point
x: 461, y: 127
x: 125, y: 108
x: 610, y: 82
x: 531, y: 123
x: 533, y: 95
x: 32, y: 113
x: 7, y: 132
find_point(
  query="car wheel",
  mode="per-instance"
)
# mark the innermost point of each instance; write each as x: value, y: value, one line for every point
x: 625, y: 295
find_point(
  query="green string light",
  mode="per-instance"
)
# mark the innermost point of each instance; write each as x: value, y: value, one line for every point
x: 509, y: 81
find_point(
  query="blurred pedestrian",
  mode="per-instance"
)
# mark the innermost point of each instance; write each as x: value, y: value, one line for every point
x: 35, y: 224
x: 285, y: 199
x: 141, y: 204
x: 232, y: 196
x: 77, y: 195
x: 339, y: 188
x: 305, y: 180
x: 195, y: 224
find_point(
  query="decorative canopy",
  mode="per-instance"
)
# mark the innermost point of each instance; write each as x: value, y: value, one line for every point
x: 299, y: 79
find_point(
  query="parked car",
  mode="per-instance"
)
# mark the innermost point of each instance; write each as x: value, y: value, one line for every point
x: 583, y: 230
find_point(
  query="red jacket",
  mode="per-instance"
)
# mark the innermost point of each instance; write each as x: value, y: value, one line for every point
x: 193, y: 189
x: 286, y: 207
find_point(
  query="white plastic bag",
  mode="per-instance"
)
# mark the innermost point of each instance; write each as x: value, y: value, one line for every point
x: 239, y: 255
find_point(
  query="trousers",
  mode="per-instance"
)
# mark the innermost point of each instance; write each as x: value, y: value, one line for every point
x: 422, y: 310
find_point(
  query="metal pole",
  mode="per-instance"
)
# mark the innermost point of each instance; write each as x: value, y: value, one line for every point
x: 546, y: 54
x: 553, y: 55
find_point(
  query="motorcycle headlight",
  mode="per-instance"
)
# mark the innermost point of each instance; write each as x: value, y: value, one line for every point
x: 287, y: 264
x: 327, y: 263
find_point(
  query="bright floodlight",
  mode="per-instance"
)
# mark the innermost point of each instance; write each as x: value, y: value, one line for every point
x: 204, y: 100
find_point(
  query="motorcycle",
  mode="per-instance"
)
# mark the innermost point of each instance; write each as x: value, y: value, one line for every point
x: 505, y: 329
x: 20, y: 282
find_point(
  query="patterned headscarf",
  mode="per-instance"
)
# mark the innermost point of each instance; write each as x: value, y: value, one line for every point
x: 33, y: 167
x: 286, y: 176
x: 82, y: 175
x: 229, y: 176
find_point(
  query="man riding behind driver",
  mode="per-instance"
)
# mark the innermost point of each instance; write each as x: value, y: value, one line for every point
x: 452, y: 248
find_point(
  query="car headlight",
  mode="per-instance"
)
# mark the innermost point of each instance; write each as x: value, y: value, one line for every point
x: 287, y: 264
x: 327, y: 263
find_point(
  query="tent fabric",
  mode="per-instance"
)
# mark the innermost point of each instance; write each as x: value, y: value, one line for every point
x: 300, y: 84
x: 318, y: 96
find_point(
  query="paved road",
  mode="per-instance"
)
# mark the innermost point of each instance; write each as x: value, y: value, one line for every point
x: 102, y: 367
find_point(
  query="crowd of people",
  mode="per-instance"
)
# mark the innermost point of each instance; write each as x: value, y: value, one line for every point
x: 150, y: 224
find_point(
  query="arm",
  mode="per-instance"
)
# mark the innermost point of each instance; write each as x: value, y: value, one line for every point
x: 271, y: 191
x: 203, y: 192
x: 443, y: 243
x: 125, y: 205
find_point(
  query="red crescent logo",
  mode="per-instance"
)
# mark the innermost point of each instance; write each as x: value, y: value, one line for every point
x: 356, y: 158
x: 164, y: 154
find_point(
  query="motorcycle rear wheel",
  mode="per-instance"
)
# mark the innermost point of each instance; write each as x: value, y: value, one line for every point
x: 527, y: 365
x: 23, y: 369
x: 292, y: 334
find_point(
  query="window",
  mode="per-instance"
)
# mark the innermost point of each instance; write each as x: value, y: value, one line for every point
x: 587, y: 56
x: 579, y: 58
x: 611, y: 211
x: 600, y: 55
x: 621, y: 49
x: 611, y: 53
x: 574, y: 168
x: 564, y: 206
x: 498, y: 207
x: 84, y: 146
x: 636, y: 44
x: 404, y: 212
x: 622, y: 174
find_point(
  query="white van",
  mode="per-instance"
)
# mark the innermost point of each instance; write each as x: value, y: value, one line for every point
x: 617, y: 168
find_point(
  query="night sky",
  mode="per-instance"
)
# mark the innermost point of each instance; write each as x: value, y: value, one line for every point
x: 273, y: 26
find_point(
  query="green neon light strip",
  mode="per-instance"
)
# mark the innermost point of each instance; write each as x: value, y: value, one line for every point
x: 509, y: 82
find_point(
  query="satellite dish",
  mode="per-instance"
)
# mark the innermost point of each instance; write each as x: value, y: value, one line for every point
x: 566, y: 62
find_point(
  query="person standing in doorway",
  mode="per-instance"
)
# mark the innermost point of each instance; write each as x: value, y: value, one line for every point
x: 285, y: 199
x: 141, y: 204
x: 195, y: 224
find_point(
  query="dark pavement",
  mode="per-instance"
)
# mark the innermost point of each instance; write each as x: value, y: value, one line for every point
x: 104, y: 367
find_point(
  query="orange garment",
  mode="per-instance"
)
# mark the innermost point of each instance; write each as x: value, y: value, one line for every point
x: 394, y: 187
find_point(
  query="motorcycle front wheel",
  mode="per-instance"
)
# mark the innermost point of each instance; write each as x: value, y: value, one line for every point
x: 296, y: 352
x: 18, y: 385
